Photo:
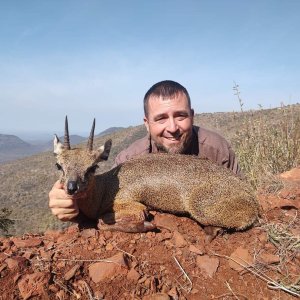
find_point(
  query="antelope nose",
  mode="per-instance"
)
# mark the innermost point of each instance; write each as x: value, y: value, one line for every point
x: 72, y: 187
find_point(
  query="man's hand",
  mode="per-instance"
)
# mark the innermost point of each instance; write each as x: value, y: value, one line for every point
x: 61, y: 204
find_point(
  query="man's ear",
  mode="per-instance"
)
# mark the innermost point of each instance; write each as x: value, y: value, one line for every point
x: 146, y: 123
x: 192, y: 113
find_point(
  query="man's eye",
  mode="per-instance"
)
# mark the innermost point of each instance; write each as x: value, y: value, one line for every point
x: 160, y: 120
x: 181, y: 117
x: 58, y: 166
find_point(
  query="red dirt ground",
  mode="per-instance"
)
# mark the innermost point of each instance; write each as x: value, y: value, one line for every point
x: 174, y: 263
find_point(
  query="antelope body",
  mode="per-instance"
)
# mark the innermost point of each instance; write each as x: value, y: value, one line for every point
x: 119, y: 198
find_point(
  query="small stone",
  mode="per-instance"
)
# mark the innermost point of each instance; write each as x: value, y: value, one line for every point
x: 28, y: 254
x: 143, y: 279
x: 3, y: 267
x: 198, y: 250
x: 101, y: 270
x: 240, y: 258
x: 109, y: 247
x: 165, y: 221
x: 54, y: 234
x: 268, y: 258
x: 29, y: 243
x: 72, y: 229
x: 89, y: 233
x: 33, y: 285
x: 2, y: 257
x: 16, y: 262
x: 17, y: 277
x: 292, y: 175
x: 209, y: 265
x: 173, y: 293
x: 179, y: 240
x: 263, y: 237
x: 133, y: 275
x: 71, y: 273
x: 158, y: 296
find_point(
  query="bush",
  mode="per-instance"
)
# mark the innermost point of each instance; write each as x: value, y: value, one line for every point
x: 5, y: 222
x: 266, y: 147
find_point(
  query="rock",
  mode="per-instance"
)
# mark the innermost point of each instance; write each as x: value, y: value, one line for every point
x: 3, y: 267
x: 33, y: 285
x: 263, y: 237
x: 28, y: 243
x: 198, y: 250
x: 109, y: 247
x: 173, y: 293
x: 165, y: 221
x: 53, y: 234
x: 72, y: 229
x: 133, y: 275
x: 16, y: 262
x: 208, y: 265
x: 46, y: 255
x: 89, y: 233
x: 2, y: 257
x: 28, y: 254
x: 292, y: 175
x: 11, y: 263
x: 158, y: 296
x: 268, y: 258
x: 239, y: 258
x: 17, y: 277
x: 179, y: 240
x: 282, y: 203
x: 71, y: 273
x: 115, y: 265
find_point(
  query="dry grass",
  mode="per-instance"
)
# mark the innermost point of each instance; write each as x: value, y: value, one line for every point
x: 266, y: 146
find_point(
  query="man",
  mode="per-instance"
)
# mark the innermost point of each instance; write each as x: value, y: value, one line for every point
x: 169, y: 122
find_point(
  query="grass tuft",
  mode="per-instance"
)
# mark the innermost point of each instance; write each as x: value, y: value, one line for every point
x: 267, y: 148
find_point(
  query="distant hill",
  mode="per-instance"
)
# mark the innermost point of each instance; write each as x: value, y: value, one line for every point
x: 12, y: 147
x: 110, y: 130
x: 9, y: 142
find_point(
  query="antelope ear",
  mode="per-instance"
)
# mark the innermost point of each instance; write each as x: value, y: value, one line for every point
x: 103, y: 151
x: 58, y: 146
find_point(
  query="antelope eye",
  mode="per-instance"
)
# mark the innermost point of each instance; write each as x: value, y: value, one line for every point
x: 58, y: 166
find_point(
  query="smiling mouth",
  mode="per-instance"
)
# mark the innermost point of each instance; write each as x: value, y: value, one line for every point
x: 173, y: 138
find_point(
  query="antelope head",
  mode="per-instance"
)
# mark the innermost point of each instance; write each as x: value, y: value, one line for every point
x: 78, y: 165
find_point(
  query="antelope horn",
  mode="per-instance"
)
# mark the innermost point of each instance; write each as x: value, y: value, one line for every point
x: 91, y: 138
x: 66, y: 138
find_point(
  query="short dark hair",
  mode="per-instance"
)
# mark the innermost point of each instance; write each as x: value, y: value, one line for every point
x: 165, y: 89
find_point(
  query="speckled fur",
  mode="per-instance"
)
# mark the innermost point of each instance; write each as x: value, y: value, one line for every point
x: 210, y: 194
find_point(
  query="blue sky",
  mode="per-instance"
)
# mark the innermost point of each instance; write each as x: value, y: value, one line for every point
x: 97, y: 59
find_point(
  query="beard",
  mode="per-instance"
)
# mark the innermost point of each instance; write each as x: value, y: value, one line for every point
x: 178, y: 148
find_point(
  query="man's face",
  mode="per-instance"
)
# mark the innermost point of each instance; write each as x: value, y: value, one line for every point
x: 170, y: 122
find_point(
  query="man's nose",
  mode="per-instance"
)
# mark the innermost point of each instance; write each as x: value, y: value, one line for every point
x: 172, y: 125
